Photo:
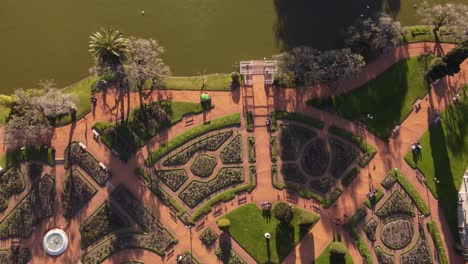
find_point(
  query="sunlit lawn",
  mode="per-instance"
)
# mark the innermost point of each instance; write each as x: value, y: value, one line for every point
x: 248, y: 227
x: 325, y: 258
x: 444, y: 156
x: 388, y: 99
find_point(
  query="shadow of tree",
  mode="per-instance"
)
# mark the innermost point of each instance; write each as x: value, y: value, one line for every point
x: 321, y: 24
x: 284, y: 239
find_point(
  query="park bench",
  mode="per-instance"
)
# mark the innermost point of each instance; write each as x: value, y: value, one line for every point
x: 96, y: 135
x: 83, y: 146
x: 102, y: 166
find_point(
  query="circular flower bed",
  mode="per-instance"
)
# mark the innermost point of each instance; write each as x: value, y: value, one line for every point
x: 203, y: 165
x: 397, y: 234
x: 315, y: 158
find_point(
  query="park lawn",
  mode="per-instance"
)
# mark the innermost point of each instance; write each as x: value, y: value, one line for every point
x: 180, y: 109
x: 213, y: 82
x: 388, y: 98
x: 248, y: 227
x: 82, y: 90
x: 4, y: 113
x: 325, y: 258
x: 444, y: 156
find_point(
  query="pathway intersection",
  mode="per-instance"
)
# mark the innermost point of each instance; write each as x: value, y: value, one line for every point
x: 261, y: 101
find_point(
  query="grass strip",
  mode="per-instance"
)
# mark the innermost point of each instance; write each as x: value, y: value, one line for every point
x: 278, y: 115
x: 439, y: 245
x: 411, y: 191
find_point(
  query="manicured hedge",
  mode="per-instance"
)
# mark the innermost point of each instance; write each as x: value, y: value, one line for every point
x: 203, y: 165
x: 74, y: 154
x: 278, y: 115
x: 368, y: 149
x: 197, y: 191
x: 77, y: 191
x: 15, y: 255
x: 11, y: 182
x: 36, y: 206
x: 251, y: 149
x: 103, y: 221
x: 232, y: 153
x: 333, y: 197
x: 225, y: 196
x: 209, y: 143
x: 397, y: 204
x: 222, y: 122
x: 42, y: 154
x: 172, y: 178
x: 361, y: 245
x: 438, y: 243
x: 349, y: 177
x: 411, y: 191
x: 208, y: 237
x: 370, y: 229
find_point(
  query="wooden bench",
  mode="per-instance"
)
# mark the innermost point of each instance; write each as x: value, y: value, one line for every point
x: 102, y: 166
x: 83, y: 146
x: 96, y: 135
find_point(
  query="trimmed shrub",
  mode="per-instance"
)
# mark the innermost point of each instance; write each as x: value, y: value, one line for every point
x: 74, y: 154
x: 232, y: 153
x: 15, y: 255
x: 383, y: 257
x: 343, y: 156
x: 210, y: 143
x: 370, y: 229
x: 349, y: 178
x: 172, y: 178
x: 36, y: 206
x: 397, y: 204
x: 307, y: 219
x: 251, y: 149
x: 250, y: 120
x: 283, y: 212
x: 208, y: 237
x: 77, y: 191
x: 11, y: 182
x: 224, y: 223
x: 419, y: 254
x: 197, y: 191
x: 338, y: 248
x: 203, y: 165
x: 102, y: 222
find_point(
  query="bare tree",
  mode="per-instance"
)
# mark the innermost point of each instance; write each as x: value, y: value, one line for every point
x: 450, y: 16
x: 55, y: 103
x: 340, y: 64
x: 373, y: 36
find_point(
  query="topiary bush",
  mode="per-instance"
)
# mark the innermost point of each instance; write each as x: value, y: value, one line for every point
x: 203, y: 165
x: 208, y: 237
x: 397, y: 204
x: 338, y: 248
x: 224, y: 224
x: 172, y: 178
x: 283, y: 212
x: 232, y: 153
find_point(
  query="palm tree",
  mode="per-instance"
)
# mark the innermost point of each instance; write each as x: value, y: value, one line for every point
x: 108, y: 47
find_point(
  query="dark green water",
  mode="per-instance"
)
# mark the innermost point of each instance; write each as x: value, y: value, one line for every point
x: 49, y: 39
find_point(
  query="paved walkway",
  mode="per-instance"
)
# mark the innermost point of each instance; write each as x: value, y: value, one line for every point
x: 260, y: 101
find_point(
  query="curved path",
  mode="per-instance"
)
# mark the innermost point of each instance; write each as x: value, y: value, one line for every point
x: 262, y: 101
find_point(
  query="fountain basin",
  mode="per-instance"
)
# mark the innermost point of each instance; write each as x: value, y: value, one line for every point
x: 55, y: 242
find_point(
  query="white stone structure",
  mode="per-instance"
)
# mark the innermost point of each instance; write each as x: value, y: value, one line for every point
x: 462, y: 215
x: 55, y: 242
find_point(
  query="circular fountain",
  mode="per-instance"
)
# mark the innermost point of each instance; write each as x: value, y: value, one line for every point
x: 55, y: 242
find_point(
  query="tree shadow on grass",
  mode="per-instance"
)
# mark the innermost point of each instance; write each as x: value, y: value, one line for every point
x: 284, y: 239
x: 446, y: 189
x: 321, y: 24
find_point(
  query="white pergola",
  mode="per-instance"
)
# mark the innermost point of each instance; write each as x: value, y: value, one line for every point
x: 258, y: 67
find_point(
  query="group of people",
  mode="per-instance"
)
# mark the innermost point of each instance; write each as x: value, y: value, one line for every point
x: 266, y: 206
x: 416, y: 147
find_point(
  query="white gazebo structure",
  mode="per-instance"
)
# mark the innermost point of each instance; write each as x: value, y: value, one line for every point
x: 258, y: 67
x: 462, y: 216
x: 55, y: 242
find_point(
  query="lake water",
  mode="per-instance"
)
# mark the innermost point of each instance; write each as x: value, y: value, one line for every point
x: 49, y: 39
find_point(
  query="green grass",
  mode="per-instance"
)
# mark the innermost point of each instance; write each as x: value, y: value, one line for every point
x: 277, y: 115
x: 444, y: 156
x: 248, y: 227
x: 349, y: 177
x: 82, y: 90
x: 225, y: 121
x: 325, y: 258
x: 378, y: 196
x: 33, y: 153
x: 439, y: 245
x: 361, y: 245
x: 213, y: 82
x: 423, y: 33
x: 4, y: 113
x: 389, y: 98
